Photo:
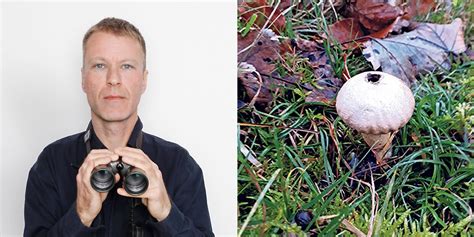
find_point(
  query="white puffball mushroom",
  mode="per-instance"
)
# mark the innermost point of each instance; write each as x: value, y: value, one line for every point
x: 375, y: 104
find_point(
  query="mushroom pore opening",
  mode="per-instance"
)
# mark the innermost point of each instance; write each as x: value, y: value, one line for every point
x: 374, y: 78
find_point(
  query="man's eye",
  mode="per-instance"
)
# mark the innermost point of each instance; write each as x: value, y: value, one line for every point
x: 99, y: 66
x: 127, y: 66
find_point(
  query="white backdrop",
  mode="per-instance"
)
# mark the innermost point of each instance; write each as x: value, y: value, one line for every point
x: 190, y: 100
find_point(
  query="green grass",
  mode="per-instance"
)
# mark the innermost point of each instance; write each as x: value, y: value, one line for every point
x: 426, y: 191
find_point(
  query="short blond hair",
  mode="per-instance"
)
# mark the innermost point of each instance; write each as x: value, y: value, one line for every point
x: 118, y: 27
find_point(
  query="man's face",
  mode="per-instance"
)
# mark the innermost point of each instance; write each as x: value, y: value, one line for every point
x: 113, y: 76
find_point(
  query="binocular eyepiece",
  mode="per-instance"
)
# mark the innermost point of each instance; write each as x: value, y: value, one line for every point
x: 135, y: 181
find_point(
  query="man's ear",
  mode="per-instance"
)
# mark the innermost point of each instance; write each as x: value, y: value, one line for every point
x: 145, y: 81
x: 82, y: 79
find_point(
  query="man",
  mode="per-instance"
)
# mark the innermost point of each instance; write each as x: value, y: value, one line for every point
x: 60, y: 200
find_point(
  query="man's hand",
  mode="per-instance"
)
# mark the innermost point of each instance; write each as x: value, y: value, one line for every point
x: 89, y: 201
x: 155, y: 198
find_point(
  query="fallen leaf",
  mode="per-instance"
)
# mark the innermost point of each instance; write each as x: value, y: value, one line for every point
x: 261, y: 50
x: 373, y: 15
x: 360, y: 4
x: 277, y: 21
x: 325, y: 86
x: 377, y: 16
x: 422, y: 50
x: 263, y: 53
x: 367, y: 19
x: 350, y: 35
x: 346, y: 30
x: 395, y: 26
x: 257, y: 91
x: 302, y: 45
x: 284, y: 4
x: 418, y: 8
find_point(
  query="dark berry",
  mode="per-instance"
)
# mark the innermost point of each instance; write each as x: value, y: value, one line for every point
x: 303, y: 218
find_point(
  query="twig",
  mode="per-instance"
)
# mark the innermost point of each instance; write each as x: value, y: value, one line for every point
x: 334, y: 9
x: 346, y: 224
x: 354, y: 230
x: 375, y: 204
x: 260, y: 84
x: 374, y: 198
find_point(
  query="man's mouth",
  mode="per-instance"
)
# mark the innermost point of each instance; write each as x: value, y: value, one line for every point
x: 114, y: 97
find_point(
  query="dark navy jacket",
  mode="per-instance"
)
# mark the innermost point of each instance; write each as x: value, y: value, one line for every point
x: 51, y: 193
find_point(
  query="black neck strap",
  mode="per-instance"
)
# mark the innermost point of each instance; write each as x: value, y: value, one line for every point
x: 135, y: 230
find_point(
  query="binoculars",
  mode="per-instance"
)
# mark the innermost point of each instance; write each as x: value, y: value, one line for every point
x: 134, y: 181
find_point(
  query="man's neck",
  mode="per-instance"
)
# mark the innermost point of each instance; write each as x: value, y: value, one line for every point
x: 114, y: 134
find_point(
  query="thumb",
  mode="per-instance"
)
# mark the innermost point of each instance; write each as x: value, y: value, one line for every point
x: 121, y: 191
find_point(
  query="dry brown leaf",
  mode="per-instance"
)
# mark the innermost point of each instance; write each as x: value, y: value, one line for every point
x: 326, y: 84
x: 360, y: 4
x: 418, y: 7
x: 373, y: 15
x: 263, y: 54
x: 395, y: 26
x: 257, y: 91
x: 376, y: 17
x: 346, y: 30
x: 371, y: 18
x: 284, y: 4
x: 422, y: 50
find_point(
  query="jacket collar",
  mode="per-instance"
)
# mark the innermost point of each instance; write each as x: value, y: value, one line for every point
x: 97, y: 144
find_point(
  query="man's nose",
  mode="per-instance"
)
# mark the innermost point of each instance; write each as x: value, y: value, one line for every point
x: 113, y: 77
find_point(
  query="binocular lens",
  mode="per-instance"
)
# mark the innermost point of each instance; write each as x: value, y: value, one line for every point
x: 102, y: 180
x: 135, y: 183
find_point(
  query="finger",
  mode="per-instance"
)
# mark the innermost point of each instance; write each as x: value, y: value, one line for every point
x: 100, y: 152
x: 117, y: 178
x: 145, y: 201
x: 112, y: 156
x: 130, y: 149
x: 90, y: 164
x: 133, y: 152
x: 94, y: 154
x: 138, y: 163
x: 139, y: 160
x: 122, y: 192
x: 98, y: 158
